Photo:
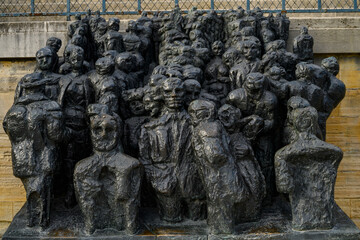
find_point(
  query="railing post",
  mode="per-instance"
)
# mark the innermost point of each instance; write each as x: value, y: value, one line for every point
x: 355, y: 5
x: 248, y: 5
x: 212, y: 5
x: 319, y: 5
x: 139, y: 6
x: 103, y: 6
x: 283, y: 4
x: 68, y: 10
x: 32, y: 5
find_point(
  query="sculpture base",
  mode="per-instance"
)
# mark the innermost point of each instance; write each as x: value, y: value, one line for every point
x: 275, y: 223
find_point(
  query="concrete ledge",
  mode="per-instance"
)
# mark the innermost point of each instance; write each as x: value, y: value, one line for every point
x: 331, y: 35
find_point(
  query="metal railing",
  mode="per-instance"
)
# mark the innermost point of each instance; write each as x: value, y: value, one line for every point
x: 115, y: 7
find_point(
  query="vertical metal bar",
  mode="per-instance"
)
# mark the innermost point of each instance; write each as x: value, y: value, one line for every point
x: 319, y: 5
x: 32, y: 4
x: 248, y: 5
x: 176, y: 3
x: 139, y: 5
x: 283, y: 5
x: 355, y: 5
x: 103, y: 6
x: 68, y: 10
x: 212, y: 4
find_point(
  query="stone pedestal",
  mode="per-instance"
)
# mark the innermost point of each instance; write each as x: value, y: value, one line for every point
x: 275, y: 223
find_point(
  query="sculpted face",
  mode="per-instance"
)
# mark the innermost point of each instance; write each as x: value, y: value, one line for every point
x: 218, y: 48
x: 250, y: 50
x: 228, y: 114
x: 200, y: 110
x: 173, y: 93
x: 151, y: 105
x: 76, y: 58
x: 54, y: 43
x: 104, y: 132
x: 331, y: 65
x: 44, y: 59
x: 254, y: 83
x: 104, y: 65
x: 192, y: 88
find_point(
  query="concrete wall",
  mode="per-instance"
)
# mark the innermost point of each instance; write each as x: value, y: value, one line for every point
x: 333, y: 36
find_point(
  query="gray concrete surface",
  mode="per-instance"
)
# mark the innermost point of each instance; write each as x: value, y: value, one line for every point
x: 331, y: 35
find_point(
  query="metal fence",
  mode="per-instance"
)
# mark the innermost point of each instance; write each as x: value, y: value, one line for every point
x: 117, y: 7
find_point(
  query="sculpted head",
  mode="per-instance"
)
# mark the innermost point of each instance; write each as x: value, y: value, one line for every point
x: 229, y: 115
x: 303, y: 30
x: 76, y: 57
x: 173, y: 92
x: 126, y: 62
x: 331, y: 65
x: 254, y: 83
x: 114, y: 24
x: 250, y: 49
x: 45, y: 59
x: 105, y: 127
x: 54, y: 43
x: 217, y: 48
x: 201, y: 110
x: 305, y: 119
x: 294, y: 103
x: 192, y: 90
x: 105, y: 66
x: 134, y: 98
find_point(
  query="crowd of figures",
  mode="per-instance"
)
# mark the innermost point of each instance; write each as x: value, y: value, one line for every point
x: 183, y: 113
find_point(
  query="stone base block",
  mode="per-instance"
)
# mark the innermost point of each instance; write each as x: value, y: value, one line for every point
x: 275, y: 223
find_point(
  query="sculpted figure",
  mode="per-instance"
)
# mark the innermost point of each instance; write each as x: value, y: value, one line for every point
x: 266, y: 33
x: 132, y: 128
x: 74, y: 25
x: 306, y: 170
x: 104, y: 83
x: 217, y: 81
x: 167, y: 155
x: 251, y: 63
x: 107, y: 184
x: 289, y: 132
x: 99, y: 39
x: 281, y: 24
x: 113, y: 39
x: 45, y: 61
x: 225, y: 188
x: 55, y: 44
x: 335, y: 88
x: 192, y: 89
x: 303, y: 46
x: 34, y: 125
x: 304, y: 87
x: 75, y: 95
x: 249, y: 167
x: 259, y: 106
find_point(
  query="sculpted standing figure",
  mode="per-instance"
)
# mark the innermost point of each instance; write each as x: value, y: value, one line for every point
x: 225, y: 188
x: 306, y: 170
x: 166, y: 152
x: 34, y: 125
x: 259, y: 106
x: 249, y: 167
x: 75, y: 95
x: 251, y: 63
x: 107, y: 184
x: 104, y: 83
x: 303, y: 46
x: 216, y: 80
